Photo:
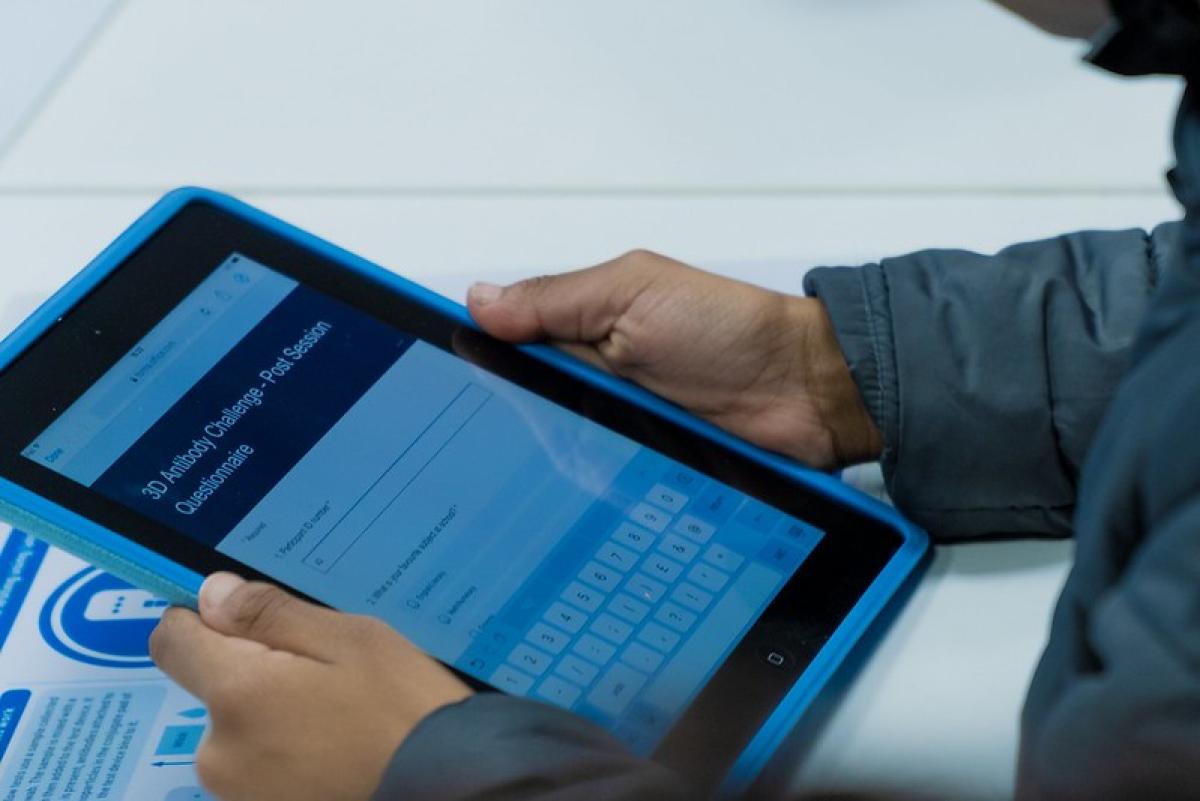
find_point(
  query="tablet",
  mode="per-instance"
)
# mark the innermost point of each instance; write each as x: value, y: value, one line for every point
x: 220, y: 390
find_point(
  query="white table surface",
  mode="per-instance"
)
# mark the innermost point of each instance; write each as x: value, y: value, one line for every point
x: 464, y: 139
x: 39, y: 44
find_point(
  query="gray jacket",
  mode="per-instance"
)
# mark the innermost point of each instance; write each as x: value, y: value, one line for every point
x: 1049, y: 389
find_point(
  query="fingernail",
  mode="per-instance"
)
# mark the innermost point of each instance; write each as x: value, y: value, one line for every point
x: 217, y: 588
x: 482, y: 293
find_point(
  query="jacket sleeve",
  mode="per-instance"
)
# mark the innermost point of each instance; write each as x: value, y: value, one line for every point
x: 988, y: 375
x: 1114, y: 710
x: 1114, y: 707
x: 499, y: 747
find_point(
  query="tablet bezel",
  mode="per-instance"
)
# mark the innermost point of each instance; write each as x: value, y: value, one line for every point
x: 746, y: 690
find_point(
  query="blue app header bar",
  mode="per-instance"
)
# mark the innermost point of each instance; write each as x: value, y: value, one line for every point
x: 205, y: 463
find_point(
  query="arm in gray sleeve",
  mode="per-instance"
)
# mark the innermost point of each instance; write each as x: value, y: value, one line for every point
x: 988, y: 375
x: 1114, y: 707
x: 499, y: 747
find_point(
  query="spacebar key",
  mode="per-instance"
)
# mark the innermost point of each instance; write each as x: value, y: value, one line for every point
x: 709, y: 642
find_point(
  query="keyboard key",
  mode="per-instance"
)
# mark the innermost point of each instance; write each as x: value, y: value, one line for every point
x: 530, y: 659
x: 758, y: 516
x: 675, y: 616
x: 511, y: 680
x: 599, y: 576
x: 635, y: 537
x: 616, y: 689
x: 692, y: 597
x: 695, y: 528
x: 548, y: 638
x: 612, y: 629
x: 708, y: 577
x: 616, y: 557
x: 677, y: 547
x: 658, y: 637
x: 566, y: 617
x: 650, y: 517
x: 723, y: 558
x: 671, y: 500
x: 628, y: 609
x: 641, y: 657
x: 586, y: 598
x: 645, y: 588
x: 717, y: 503
x: 558, y: 691
x: 577, y: 670
x: 681, y: 479
x: 594, y: 649
x: 778, y: 553
x: 662, y: 568
x: 799, y: 531
x: 641, y: 714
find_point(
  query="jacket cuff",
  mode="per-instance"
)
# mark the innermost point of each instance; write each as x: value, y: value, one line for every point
x: 499, y: 747
x: 856, y: 300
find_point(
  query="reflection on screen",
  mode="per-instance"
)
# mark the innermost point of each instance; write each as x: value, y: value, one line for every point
x: 505, y: 535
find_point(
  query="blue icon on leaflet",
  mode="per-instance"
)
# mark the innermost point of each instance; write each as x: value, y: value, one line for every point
x: 179, y: 741
x: 98, y: 619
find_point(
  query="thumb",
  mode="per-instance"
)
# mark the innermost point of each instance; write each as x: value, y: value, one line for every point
x: 255, y: 610
x: 580, y: 306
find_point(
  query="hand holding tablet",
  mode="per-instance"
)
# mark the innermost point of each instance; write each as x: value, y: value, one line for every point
x: 761, y: 365
x: 274, y: 672
x: 220, y: 391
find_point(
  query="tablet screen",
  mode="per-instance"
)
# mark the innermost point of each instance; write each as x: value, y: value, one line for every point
x: 517, y: 540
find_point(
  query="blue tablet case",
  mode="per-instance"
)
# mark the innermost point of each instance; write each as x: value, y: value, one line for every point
x: 145, y: 568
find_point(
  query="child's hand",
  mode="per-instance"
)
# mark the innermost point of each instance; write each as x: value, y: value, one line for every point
x: 762, y: 365
x: 305, y: 702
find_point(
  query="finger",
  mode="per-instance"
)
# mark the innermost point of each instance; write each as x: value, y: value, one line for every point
x: 266, y: 614
x: 194, y: 655
x: 585, y: 353
x: 580, y: 306
x: 484, y: 352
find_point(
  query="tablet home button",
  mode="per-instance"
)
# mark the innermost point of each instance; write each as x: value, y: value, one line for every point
x: 777, y: 658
